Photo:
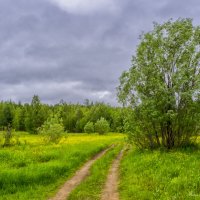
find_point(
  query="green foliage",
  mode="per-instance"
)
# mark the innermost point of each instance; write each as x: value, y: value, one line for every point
x: 52, y: 129
x: 36, y: 115
x: 7, y: 136
x: 30, y: 117
x: 89, y: 127
x: 102, y: 126
x: 6, y: 114
x: 100, y: 110
x: 163, y: 86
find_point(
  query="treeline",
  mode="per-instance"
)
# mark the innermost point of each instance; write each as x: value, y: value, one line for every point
x: 30, y: 117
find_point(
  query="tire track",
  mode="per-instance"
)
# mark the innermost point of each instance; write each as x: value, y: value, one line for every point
x: 79, y: 176
x: 110, y: 191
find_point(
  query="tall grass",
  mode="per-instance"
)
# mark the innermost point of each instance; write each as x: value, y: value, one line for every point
x: 161, y: 175
x: 33, y: 170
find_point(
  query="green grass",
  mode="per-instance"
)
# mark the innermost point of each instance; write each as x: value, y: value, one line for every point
x: 160, y: 175
x: 33, y: 170
x: 92, y: 186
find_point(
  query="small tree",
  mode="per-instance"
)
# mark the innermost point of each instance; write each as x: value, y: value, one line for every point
x: 89, y: 127
x: 7, y: 122
x: 52, y: 129
x: 102, y: 126
x: 8, y: 136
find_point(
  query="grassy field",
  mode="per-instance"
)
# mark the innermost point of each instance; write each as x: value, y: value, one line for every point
x: 160, y: 175
x: 34, y: 170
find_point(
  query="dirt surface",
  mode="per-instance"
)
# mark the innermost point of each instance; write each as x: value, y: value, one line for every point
x: 71, y: 184
x: 110, y: 191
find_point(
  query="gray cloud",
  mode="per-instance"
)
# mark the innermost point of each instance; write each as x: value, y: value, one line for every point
x: 87, y: 6
x: 61, y: 50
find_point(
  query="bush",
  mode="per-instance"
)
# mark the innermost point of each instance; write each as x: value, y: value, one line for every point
x: 89, y: 127
x: 52, y: 129
x: 102, y: 126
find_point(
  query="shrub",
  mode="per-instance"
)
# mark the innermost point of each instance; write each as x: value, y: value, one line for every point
x: 89, y: 127
x: 52, y: 129
x: 102, y: 126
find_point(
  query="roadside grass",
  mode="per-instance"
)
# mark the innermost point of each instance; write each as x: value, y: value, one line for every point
x: 34, y: 170
x: 160, y: 175
x: 91, y: 188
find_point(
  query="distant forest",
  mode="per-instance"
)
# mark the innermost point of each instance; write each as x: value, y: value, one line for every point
x: 31, y: 116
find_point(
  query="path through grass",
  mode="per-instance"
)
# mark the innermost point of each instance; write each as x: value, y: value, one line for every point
x: 34, y: 170
x: 91, y: 188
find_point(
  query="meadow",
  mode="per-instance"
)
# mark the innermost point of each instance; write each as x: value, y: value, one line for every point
x: 160, y: 174
x: 32, y: 169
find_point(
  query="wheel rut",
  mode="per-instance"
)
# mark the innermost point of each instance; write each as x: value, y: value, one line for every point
x: 79, y: 176
x: 110, y: 191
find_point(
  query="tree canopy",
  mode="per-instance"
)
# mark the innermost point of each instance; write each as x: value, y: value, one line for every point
x: 30, y: 117
x: 163, y: 86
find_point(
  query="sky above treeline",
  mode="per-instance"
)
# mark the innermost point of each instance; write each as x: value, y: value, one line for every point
x: 75, y: 49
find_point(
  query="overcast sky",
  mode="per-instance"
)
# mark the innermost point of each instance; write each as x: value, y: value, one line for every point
x: 75, y: 49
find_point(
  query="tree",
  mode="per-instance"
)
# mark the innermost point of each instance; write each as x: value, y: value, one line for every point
x: 89, y: 127
x: 52, y: 129
x: 163, y: 86
x: 18, y: 120
x: 7, y: 114
x: 118, y: 115
x: 100, y: 110
x: 7, y: 136
x: 6, y: 121
x: 69, y: 117
x: 102, y: 126
x: 78, y: 117
x: 36, y: 115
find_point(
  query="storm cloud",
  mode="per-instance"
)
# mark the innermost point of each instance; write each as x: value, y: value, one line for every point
x: 75, y: 49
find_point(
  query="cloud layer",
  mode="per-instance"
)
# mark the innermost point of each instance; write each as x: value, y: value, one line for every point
x: 74, y: 49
